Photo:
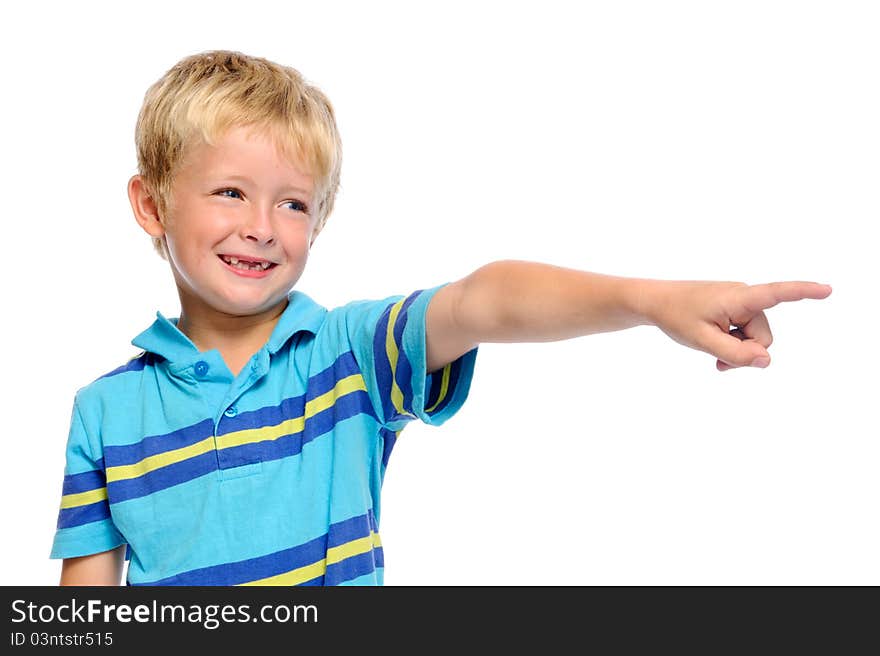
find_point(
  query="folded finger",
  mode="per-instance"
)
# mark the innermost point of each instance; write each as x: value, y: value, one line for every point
x: 758, y: 329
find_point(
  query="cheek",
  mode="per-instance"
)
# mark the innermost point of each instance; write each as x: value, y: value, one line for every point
x: 195, y: 238
x: 189, y: 250
x: 296, y: 238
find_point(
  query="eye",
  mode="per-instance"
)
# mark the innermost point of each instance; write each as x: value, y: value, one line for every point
x: 299, y: 205
x: 302, y: 207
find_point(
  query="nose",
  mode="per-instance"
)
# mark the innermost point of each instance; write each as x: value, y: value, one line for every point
x: 257, y: 227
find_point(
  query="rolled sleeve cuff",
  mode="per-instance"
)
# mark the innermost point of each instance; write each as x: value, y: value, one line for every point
x: 85, y: 540
x: 435, y: 397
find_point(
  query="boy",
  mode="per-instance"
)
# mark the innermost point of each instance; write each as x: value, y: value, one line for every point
x: 247, y: 443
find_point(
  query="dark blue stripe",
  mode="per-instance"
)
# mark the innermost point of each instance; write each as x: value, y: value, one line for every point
x: 85, y: 481
x: 434, y: 382
x: 266, y: 416
x: 343, y: 367
x: 382, y: 365
x: 164, y: 477
x: 404, y: 373
x: 350, y: 529
x: 378, y: 560
x: 389, y: 438
x: 138, y: 363
x: 129, y: 454
x: 351, y: 404
x: 273, y: 564
x: 79, y: 515
x: 239, y: 456
x: 321, y: 383
x: 454, y: 375
x: 253, y: 568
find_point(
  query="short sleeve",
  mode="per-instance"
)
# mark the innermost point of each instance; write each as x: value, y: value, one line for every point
x: 388, y: 340
x: 84, y: 523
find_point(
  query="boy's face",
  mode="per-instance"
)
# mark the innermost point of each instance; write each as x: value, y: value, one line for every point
x: 264, y: 221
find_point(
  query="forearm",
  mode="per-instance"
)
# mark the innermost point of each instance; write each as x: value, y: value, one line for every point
x: 518, y: 301
x: 97, y: 569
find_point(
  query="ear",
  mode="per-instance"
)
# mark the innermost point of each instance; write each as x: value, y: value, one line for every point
x: 144, y: 207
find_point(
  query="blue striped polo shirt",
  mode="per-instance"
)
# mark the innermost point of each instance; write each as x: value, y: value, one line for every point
x: 270, y: 477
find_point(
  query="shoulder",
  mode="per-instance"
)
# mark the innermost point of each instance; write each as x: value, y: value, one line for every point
x: 117, y: 379
x: 338, y: 321
x: 136, y: 363
x: 389, y: 307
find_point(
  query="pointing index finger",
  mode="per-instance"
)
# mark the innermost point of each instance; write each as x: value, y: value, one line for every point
x: 761, y: 297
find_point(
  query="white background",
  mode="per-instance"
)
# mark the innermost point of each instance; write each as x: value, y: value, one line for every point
x: 674, y: 140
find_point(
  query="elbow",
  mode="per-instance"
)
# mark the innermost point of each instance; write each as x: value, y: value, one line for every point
x: 480, y: 309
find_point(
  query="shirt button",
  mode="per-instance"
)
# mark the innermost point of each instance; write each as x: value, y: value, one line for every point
x: 231, y: 412
x: 201, y: 368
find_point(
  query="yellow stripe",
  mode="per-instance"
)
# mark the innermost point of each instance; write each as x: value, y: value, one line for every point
x: 354, y: 548
x: 251, y: 435
x: 83, y: 498
x: 344, y: 386
x: 393, y: 354
x: 444, y: 386
x: 123, y: 472
x: 294, y: 577
x: 334, y: 555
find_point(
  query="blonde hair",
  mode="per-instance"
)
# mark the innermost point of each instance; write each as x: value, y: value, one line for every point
x: 204, y: 95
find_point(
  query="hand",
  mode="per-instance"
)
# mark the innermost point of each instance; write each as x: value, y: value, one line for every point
x: 700, y: 314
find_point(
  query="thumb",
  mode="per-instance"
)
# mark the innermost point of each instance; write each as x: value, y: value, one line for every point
x: 735, y: 352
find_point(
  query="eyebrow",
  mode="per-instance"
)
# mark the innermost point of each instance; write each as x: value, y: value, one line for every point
x: 244, y: 178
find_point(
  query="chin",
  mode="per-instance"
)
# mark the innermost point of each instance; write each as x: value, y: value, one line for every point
x: 247, y: 307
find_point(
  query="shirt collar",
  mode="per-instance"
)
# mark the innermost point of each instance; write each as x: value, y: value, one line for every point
x: 165, y: 339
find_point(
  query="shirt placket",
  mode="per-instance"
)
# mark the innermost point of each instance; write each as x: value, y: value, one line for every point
x: 236, y: 438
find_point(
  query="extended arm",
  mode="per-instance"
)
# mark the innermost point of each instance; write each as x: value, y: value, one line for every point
x: 517, y: 301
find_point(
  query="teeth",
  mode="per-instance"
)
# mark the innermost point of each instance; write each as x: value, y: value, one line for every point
x: 250, y: 266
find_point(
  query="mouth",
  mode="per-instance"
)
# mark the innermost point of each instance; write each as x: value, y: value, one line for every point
x: 247, y: 263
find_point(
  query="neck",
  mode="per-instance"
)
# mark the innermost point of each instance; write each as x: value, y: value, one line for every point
x: 209, y: 329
